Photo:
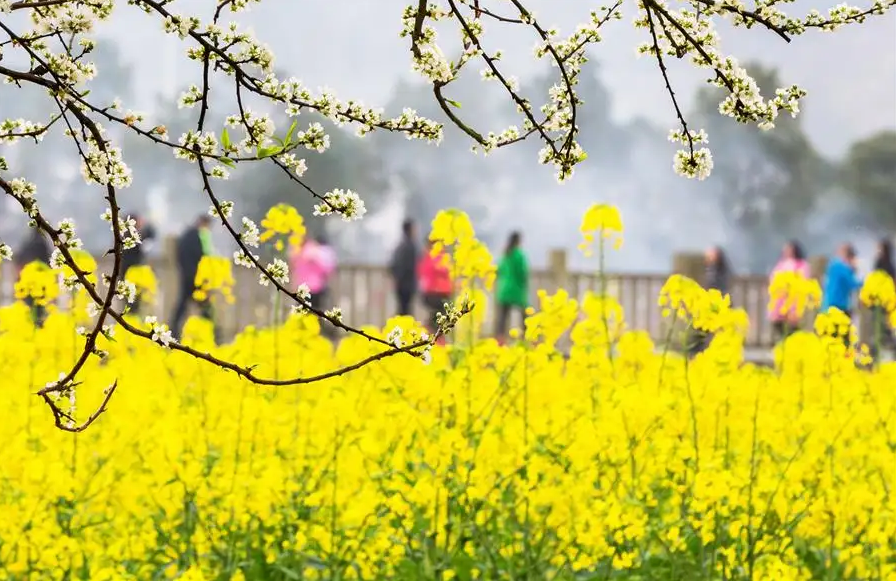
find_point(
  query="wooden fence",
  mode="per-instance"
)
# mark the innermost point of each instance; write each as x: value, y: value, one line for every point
x: 365, y: 296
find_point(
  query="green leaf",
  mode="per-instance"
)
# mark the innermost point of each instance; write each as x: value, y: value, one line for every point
x: 269, y: 151
x: 288, y: 573
x: 225, y: 139
x: 454, y: 103
x: 227, y: 161
x: 292, y: 129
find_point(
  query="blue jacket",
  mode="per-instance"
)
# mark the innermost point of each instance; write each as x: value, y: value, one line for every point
x: 840, y: 282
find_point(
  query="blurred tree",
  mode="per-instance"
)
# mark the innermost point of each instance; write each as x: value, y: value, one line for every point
x: 349, y: 163
x: 601, y: 136
x: 440, y: 177
x: 766, y: 182
x: 869, y: 175
x: 450, y: 176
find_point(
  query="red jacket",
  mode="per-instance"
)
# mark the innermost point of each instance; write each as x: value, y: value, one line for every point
x: 435, y: 277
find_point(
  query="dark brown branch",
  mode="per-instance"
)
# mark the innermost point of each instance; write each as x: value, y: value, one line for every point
x: 747, y: 15
x: 23, y: 4
x: 661, y: 63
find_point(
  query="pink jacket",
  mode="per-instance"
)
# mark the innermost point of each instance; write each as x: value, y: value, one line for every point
x: 312, y: 264
x: 786, y: 265
x: 434, y: 276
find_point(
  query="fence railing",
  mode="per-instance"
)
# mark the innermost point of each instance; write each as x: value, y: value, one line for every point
x: 364, y: 293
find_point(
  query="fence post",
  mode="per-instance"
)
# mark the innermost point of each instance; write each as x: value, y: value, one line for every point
x: 693, y: 266
x: 689, y: 264
x: 558, y: 269
x: 817, y: 266
x: 167, y: 277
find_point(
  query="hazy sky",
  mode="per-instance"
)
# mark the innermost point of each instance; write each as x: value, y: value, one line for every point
x: 353, y: 47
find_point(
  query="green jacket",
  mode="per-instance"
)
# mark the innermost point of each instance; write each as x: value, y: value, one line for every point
x: 513, y: 280
x: 205, y: 238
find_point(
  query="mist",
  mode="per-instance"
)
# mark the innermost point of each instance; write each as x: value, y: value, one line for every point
x: 625, y: 118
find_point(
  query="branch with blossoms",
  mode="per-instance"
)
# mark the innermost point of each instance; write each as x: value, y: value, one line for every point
x: 159, y: 333
x: 687, y: 32
x: 102, y: 164
x: 55, y: 43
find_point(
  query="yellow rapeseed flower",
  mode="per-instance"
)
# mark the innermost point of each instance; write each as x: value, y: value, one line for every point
x: 468, y: 259
x: 213, y: 277
x: 879, y: 291
x: 37, y: 282
x: 557, y: 313
x: 283, y: 222
x: 144, y: 279
x: 601, y: 221
x: 792, y: 293
x: 615, y: 457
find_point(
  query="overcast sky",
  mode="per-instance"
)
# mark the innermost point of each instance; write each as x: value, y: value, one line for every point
x: 353, y: 47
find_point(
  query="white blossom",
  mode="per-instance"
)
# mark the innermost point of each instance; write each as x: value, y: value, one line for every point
x: 161, y: 334
x: 395, y: 337
x: 105, y: 166
x: 240, y: 258
x: 126, y: 291
x: 278, y: 270
x: 334, y: 313
x: 250, y: 234
x: 346, y: 203
x: 303, y: 293
x: 226, y: 210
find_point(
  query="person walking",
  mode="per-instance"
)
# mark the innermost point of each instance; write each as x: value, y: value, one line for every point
x: 313, y: 264
x: 718, y: 270
x: 403, y: 268
x: 512, y: 285
x: 35, y: 248
x: 716, y: 276
x: 883, y: 333
x: 192, y: 246
x: 841, y: 282
x: 786, y: 320
x: 436, y: 284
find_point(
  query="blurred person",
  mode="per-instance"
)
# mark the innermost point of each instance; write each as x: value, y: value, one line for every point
x: 403, y: 268
x: 792, y: 259
x: 35, y: 248
x: 313, y: 263
x: 718, y: 270
x: 716, y: 276
x: 841, y: 283
x: 512, y: 285
x: 883, y: 333
x: 435, y: 282
x: 192, y: 246
x: 883, y: 260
